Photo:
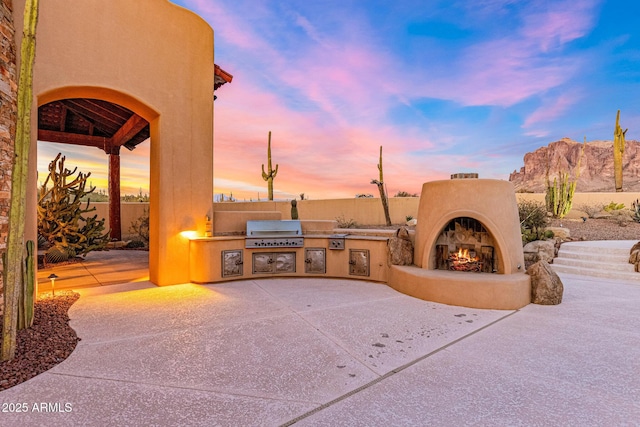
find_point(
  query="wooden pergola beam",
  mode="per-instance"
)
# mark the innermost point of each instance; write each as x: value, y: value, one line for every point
x: 73, y: 138
x: 128, y: 130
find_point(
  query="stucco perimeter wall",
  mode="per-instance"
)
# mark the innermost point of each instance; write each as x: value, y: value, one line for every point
x: 129, y: 212
x: 365, y: 211
x: 588, y: 199
x: 156, y: 59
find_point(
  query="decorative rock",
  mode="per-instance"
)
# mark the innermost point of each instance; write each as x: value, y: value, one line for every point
x: 412, y: 222
x: 400, y: 248
x: 602, y: 214
x: 540, y: 250
x: 119, y: 244
x: 559, y: 232
x: 546, y: 286
x: 634, y: 256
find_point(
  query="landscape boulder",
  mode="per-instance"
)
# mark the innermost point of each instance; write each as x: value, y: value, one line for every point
x: 562, y: 233
x: 634, y: 256
x: 401, y: 248
x: 540, y: 250
x: 546, y: 286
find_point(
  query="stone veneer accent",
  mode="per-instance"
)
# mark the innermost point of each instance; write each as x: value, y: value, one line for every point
x: 8, y: 89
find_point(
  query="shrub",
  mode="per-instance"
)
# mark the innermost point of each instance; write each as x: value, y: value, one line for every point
x: 140, y: 227
x: 136, y: 244
x: 533, y: 220
x: 346, y: 223
x: 405, y: 194
x: 591, y: 210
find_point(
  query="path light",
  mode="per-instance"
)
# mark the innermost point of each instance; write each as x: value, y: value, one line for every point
x: 53, y: 278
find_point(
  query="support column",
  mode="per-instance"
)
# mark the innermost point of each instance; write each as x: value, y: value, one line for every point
x: 114, y: 193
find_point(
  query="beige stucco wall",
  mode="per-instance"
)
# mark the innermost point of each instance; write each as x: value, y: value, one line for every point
x: 129, y: 212
x: 156, y: 59
x: 589, y: 199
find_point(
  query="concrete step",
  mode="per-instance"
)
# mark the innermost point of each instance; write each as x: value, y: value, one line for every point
x: 608, y: 259
x: 609, y: 247
x: 592, y: 264
x: 591, y: 272
x: 593, y: 256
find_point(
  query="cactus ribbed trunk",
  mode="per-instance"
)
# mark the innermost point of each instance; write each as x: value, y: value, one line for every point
x: 383, y: 194
x: 17, y: 212
x: 618, y: 151
x: 559, y: 195
x: 272, y: 172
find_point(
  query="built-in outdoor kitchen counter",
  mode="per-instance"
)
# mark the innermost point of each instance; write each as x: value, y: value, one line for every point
x: 317, y: 249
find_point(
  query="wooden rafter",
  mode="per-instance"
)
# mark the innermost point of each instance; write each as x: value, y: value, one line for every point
x: 130, y: 129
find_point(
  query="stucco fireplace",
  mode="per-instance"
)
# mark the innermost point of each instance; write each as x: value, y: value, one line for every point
x: 468, y: 247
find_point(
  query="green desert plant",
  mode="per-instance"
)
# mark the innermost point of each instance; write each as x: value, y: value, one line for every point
x: 62, y: 220
x: 559, y: 194
x: 14, y: 283
x: 636, y: 210
x: 533, y: 220
x: 618, y: 151
x: 613, y: 206
x: 271, y: 175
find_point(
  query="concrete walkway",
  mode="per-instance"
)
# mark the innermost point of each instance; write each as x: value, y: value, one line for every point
x: 101, y: 268
x: 326, y: 352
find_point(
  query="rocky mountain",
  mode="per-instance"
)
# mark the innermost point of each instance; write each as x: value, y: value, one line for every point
x: 596, y: 166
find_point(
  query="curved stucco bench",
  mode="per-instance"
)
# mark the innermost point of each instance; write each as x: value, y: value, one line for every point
x: 475, y: 290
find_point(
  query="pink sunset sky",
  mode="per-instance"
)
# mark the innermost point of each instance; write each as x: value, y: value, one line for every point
x: 444, y: 87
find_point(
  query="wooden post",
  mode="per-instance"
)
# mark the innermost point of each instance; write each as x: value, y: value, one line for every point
x: 114, y: 194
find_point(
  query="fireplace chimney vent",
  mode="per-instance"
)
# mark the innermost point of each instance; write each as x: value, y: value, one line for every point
x: 464, y: 176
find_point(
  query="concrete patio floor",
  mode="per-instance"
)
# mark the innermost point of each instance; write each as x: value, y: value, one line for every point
x: 328, y: 352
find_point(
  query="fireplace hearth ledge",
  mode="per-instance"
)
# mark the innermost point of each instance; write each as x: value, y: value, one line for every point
x: 474, y: 290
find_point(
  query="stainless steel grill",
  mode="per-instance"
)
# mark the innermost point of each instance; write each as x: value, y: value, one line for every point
x: 274, y: 234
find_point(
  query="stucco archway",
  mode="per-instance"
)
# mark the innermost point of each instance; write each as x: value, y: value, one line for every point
x: 78, y: 116
x: 161, y: 67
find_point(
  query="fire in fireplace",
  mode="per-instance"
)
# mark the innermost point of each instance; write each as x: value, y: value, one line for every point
x: 465, y: 245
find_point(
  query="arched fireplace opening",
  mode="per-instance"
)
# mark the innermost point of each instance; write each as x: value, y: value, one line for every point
x: 465, y: 244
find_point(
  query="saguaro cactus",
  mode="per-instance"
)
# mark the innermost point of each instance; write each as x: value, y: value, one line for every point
x: 383, y: 194
x: 17, y: 211
x: 618, y: 151
x: 269, y: 177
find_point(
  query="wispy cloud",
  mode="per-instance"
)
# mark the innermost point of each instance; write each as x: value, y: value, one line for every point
x: 528, y: 60
x: 550, y: 109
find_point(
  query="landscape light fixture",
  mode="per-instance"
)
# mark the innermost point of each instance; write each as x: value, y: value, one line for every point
x: 53, y: 278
